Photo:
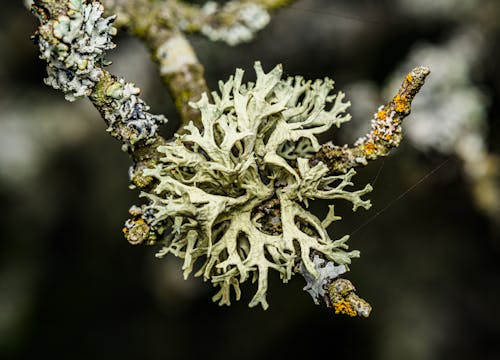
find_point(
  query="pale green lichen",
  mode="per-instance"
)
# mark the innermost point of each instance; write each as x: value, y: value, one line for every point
x: 229, y: 197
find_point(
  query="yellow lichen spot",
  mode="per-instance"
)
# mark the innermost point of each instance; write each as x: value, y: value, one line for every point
x: 401, y: 103
x: 343, y: 307
x: 136, y: 231
x: 381, y: 115
x: 273, y: 4
x: 387, y: 136
x: 124, y: 230
x: 409, y: 78
x: 114, y: 90
x: 183, y: 98
x: 369, y: 148
x: 141, y: 181
x: 83, y: 64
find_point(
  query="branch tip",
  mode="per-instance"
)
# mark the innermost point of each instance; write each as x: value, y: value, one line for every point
x: 385, y: 132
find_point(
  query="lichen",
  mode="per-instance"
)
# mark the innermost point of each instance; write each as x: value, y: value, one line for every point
x: 327, y: 272
x: 234, y: 199
x: 127, y: 107
x: 243, y: 21
x: 74, y: 48
x: 384, y: 129
x: 73, y: 45
x: 344, y: 300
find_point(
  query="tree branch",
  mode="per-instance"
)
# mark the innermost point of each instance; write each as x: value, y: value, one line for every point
x: 234, y: 22
x: 180, y: 70
x: 73, y: 37
x: 385, y: 133
x: 161, y: 24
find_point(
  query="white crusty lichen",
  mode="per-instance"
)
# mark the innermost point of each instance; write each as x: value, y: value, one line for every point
x: 235, y: 197
x: 244, y: 20
x: 127, y: 107
x: 382, y: 126
x: 75, y: 51
x: 73, y: 45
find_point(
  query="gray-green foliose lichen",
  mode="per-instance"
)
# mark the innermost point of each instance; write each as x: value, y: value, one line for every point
x: 74, y: 44
x: 235, y: 196
x: 327, y: 271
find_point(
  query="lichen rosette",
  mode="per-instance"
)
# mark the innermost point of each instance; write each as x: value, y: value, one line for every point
x: 235, y: 196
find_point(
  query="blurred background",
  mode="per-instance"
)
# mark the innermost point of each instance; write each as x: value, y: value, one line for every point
x: 72, y: 287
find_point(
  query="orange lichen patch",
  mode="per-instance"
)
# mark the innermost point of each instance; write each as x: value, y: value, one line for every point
x: 343, y: 307
x: 387, y: 136
x: 369, y: 148
x: 138, y: 222
x: 135, y: 223
x: 402, y: 104
x: 409, y: 78
x: 381, y: 115
x: 136, y: 231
